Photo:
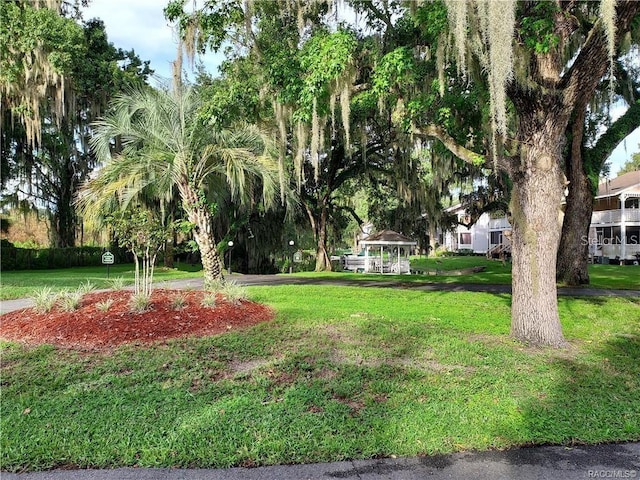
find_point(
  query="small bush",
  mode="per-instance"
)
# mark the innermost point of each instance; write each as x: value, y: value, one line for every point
x: 70, y: 301
x: 104, y: 306
x: 44, y: 299
x: 178, y: 302
x: 209, y: 300
x: 117, y: 283
x: 140, y: 303
x: 234, y: 293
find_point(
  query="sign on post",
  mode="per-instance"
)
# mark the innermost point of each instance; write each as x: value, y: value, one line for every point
x: 108, y: 259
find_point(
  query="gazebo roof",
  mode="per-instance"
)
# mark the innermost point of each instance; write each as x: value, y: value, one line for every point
x: 388, y: 237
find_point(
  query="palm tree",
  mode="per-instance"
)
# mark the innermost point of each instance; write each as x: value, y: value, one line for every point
x: 167, y: 145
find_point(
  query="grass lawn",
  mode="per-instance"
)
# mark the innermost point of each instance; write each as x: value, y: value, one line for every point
x: 342, y: 372
x: 22, y: 283
x: 439, y: 270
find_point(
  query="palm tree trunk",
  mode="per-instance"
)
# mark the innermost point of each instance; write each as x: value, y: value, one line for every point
x: 199, y: 215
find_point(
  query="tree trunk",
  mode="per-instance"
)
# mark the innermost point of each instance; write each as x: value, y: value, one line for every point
x: 573, y: 253
x: 323, y: 262
x: 199, y: 215
x: 433, y: 239
x: 535, y: 210
x: 582, y: 167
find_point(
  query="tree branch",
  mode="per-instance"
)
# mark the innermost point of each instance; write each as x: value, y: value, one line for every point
x: 591, y: 63
x: 353, y: 214
x: 435, y: 131
x: 615, y: 134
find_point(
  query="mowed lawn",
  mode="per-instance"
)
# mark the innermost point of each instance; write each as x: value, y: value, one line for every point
x: 341, y: 373
x: 21, y: 284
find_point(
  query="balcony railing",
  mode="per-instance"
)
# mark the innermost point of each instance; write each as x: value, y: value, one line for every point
x: 499, y: 224
x: 615, y: 216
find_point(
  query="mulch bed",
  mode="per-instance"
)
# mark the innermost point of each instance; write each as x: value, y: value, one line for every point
x: 88, y: 328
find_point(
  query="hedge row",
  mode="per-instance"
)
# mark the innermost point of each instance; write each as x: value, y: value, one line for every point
x: 14, y: 258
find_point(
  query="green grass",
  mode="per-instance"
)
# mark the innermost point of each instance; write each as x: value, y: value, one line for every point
x: 446, y: 270
x: 341, y: 373
x: 23, y: 283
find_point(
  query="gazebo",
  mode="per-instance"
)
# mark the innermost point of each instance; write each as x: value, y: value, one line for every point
x: 387, y: 252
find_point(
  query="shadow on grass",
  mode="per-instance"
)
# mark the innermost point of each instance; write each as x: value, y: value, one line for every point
x: 593, y: 397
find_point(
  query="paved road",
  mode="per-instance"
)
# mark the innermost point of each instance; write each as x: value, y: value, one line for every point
x: 599, y: 461
x: 269, y: 280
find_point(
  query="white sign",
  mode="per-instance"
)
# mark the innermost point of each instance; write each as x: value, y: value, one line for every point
x: 108, y: 258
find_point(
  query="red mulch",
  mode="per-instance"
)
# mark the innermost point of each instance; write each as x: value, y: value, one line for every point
x: 88, y: 328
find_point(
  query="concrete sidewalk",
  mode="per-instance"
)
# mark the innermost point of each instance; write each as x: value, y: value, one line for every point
x: 534, y: 463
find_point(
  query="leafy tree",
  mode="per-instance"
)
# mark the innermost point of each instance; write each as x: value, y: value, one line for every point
x: 522, y: 48
x: 46, y: 125
x: 168, y: 146
x: 332, y: 96
x: 631, y: 165
x: 139, y: 231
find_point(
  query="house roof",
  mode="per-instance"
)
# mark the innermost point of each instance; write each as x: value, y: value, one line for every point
x: 388, y: 237
x: 616, y: 186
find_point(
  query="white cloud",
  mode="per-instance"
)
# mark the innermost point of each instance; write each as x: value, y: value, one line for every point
x: 141, y: 25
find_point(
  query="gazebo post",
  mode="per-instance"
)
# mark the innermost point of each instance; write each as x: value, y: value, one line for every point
x: 366, y: 259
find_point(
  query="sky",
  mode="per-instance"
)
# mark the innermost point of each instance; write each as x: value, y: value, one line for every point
x: 140, y: 24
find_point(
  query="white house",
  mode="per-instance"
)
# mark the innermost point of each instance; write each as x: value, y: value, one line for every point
x: 614, y: 231
x: 615, y: 224
x: 490, y: 233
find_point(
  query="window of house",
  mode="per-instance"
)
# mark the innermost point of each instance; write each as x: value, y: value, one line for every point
x: 632, y: 203
x: 604, y: 235
x: 616, y: 235
x: 496, y: 238
x: 465, y: 238
x: 633, y: 235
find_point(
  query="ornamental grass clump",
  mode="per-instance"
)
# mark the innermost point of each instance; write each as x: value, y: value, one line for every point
x: 178, y: 302
x: 105, y: 305
x: 86, y: 287
x: 234, y: 293
x: 209, y: 300
x: 70, y: 301
x: 45, y: 299
x: 117, y: 283
x: 140, y: 303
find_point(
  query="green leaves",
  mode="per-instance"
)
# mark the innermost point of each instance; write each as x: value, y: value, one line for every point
x: 537, y: 29
x: 395, y: 71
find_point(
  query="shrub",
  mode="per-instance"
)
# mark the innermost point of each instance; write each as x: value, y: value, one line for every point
x: 178, y: 302
x: 45, y: 299
x: 140, y: 303
x: 104, y: 306
x: 209, y: 300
